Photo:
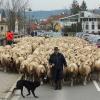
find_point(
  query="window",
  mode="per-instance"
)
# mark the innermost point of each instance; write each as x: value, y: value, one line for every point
x: 85, y: 19
x: 90, y: 19
x: 99, y: 32
x: 82, y: 14
x: 98, y: 25
x: 1, y: 28
x: 94, y: 19
x: 87, y: 26
x: 93, y: 27
x: 76, y: 19
x: 81, y: 20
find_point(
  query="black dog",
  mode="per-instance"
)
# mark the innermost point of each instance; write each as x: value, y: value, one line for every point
x: 29, y: 85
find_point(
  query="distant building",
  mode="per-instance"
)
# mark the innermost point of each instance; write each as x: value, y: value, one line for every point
x: 51, y: 23
x: 90, y: 21
x: 3, y: 28
x: 3, y: 23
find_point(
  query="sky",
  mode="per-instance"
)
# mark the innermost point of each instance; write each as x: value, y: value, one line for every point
x: 59, y: 4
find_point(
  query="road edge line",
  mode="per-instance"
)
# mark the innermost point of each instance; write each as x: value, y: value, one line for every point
x: 96, y: 85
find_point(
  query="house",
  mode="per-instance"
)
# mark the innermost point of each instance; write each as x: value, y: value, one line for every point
x: 3, y: 23
x: 3, y: 28
x: 52, y: 23
x: 90, y: 21
x: 45, y: 25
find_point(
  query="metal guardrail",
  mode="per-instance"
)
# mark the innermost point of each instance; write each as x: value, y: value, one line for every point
x: 19, y: 36
x: 3, y: 40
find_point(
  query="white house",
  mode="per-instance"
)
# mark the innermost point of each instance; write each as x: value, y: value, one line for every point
x: 3, y: 23
x: 89, y: 20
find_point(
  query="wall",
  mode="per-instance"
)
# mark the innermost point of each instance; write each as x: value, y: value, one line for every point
x: 3, y: 29
x: 90, y: 30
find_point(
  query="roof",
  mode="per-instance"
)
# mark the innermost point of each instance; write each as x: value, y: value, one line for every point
x: 70, y: 16
x: 88, y: 14
x: 34, y: 26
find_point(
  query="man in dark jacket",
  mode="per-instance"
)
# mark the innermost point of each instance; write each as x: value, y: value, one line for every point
x: 57, y: 61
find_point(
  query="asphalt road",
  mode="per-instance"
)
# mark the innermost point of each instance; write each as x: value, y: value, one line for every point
x: 89, y: 92
x: 6, y: 82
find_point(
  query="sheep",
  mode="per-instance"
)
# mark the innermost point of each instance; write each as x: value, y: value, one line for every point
x: 97, y: 68
x: 30, y: 56
x: 71, y: 72
x: 84, y: 71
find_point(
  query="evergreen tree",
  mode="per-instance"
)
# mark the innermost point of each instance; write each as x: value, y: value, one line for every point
x: 83, y: 6
x: 75, y: 7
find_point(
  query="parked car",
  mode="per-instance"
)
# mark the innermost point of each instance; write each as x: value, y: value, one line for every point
x: 98, y: 43
x: 94, y: 39
x: 80, y: 34
x: 91, y: 38
x: 86, y: 36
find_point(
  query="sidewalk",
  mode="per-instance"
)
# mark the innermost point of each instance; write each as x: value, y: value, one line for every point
x: 6, y: 82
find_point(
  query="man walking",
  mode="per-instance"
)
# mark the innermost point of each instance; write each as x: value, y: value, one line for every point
x: 57, y: 61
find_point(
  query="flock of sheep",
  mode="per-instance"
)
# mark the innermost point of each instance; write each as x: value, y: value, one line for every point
x: 30, y: 55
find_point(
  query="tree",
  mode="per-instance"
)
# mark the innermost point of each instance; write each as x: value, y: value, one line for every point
x: 15, y: 10
x: 75, y: 7
x: 83, y: 6
x: 79, y: 27
x: 1, y: 4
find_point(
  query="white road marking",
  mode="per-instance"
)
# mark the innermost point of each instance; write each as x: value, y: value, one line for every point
x: 96, y: 85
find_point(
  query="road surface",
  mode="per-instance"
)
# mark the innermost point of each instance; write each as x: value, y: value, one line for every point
x: 79, y: 92
x: 6, y: 82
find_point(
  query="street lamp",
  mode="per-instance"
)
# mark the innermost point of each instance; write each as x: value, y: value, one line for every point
x: 29, y: 10
x: 24, y: 21
x: 29, y: 19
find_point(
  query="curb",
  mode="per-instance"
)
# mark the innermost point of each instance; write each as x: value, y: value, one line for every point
x: 9, y: 94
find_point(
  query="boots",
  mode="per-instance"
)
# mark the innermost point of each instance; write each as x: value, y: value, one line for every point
x: 59, y: 85
x: 56, y: 85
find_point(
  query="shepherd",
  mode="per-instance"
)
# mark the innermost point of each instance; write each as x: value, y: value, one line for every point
x: 57, y: 61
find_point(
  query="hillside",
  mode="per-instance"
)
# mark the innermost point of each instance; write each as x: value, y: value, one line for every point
x: 45, y: 14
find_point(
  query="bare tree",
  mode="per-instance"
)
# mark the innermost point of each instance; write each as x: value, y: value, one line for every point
x: 15, y: 9
x: 1, y: 4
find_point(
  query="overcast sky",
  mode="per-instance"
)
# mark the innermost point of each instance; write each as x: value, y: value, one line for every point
x: 60, y: 4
